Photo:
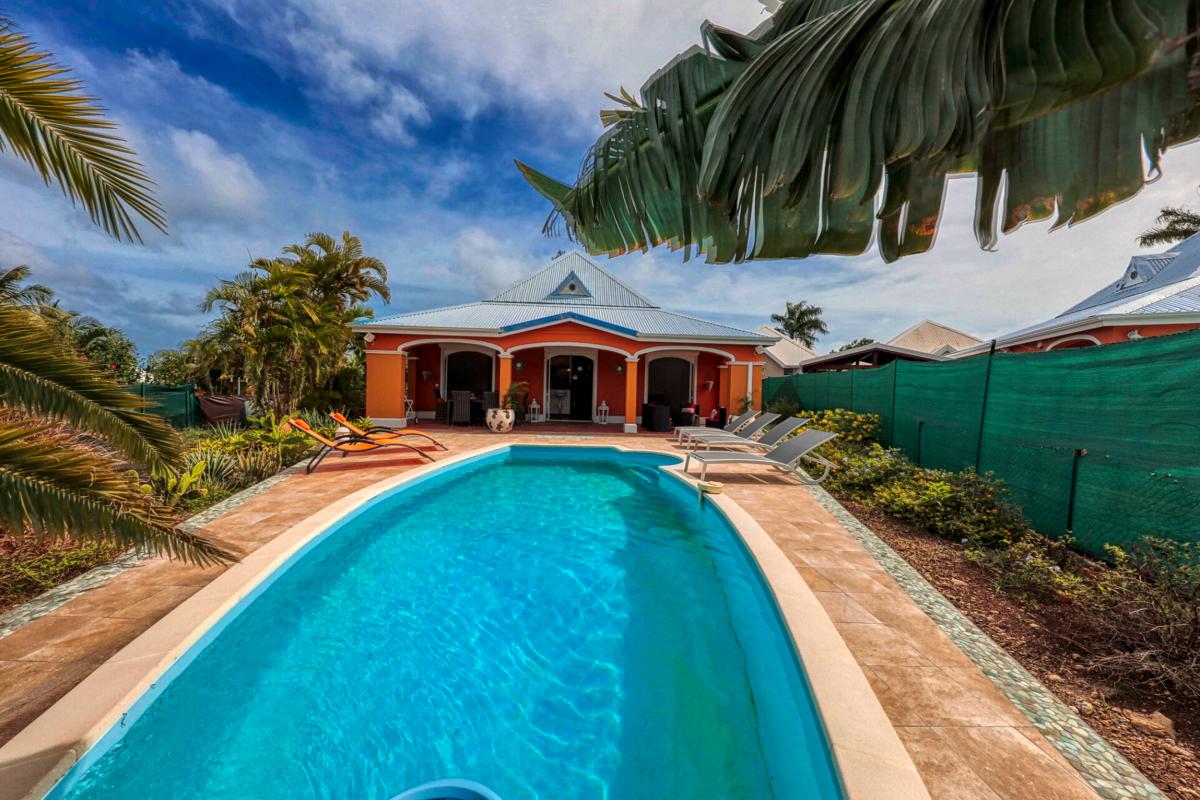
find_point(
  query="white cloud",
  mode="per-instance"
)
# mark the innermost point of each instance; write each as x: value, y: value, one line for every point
x: 396, y: 115
x: 474, y: 54
x: 490, y: 264
x: 214, y: 183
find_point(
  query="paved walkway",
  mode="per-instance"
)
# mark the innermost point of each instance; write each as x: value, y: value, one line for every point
x: 965, y: 737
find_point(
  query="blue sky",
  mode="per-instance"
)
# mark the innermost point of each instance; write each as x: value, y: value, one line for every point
x: 399, y: 121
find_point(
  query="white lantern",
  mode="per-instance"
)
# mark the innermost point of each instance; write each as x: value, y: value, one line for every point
x: 602, y: 414
x: 534, y: 412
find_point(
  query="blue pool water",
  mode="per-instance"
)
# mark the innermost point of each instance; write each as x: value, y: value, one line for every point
x: 552, y: 623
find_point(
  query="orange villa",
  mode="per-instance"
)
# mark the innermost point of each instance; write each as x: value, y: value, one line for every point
x: 591, y: 349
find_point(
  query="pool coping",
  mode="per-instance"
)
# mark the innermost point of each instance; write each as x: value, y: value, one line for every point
x: 871, y: 760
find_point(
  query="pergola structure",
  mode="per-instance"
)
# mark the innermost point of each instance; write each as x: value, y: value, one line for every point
x: 589, y: 347
x: 875, y: 354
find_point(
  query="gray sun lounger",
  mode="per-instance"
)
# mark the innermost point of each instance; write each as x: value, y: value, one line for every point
x: 786, y: 457
x: 744, y: 434
x: 735, y: 425
x: 765, y: 442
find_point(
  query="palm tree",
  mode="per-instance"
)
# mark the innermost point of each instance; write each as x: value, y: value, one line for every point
x: 15, y: 292
x: 53, y: 480
x: 801, y: 322
x: 340, y: 271
x: 862, y: 342
x: 284, y: 325
x: 782, y: 143
x: 1174, y: 225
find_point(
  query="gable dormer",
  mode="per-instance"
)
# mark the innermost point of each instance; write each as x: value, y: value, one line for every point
x: 571, y: 286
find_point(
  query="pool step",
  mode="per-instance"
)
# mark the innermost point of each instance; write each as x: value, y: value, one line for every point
x: 451, y: 789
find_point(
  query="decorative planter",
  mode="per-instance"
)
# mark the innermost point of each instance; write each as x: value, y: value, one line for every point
x: 501, y: 420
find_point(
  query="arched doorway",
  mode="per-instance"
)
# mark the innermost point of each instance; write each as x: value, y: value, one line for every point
x: 669, y: 382
x: 468, y: 371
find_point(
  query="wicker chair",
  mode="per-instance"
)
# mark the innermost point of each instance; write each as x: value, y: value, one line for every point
x: 460, y: 408
x: 491, y: 400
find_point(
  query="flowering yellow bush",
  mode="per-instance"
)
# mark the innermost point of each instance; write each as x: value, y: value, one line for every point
x: 850, y: 426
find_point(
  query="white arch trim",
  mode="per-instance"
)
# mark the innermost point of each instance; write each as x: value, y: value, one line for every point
x: 684, y: 348
x: 576, y: 345
x: 476, y: 342
x: 1078, y: 337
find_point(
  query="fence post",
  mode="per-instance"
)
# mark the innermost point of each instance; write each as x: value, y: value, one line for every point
x: 895, y: 372
x: 920, y: 427
x: 851, y: 391
x: 1075, y: 456
x: 987, y: 383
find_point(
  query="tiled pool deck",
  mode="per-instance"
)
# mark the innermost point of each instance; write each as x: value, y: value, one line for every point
x: 974, y: 723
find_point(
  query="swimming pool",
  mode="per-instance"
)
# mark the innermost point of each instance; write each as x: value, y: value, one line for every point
x: 552, y: 623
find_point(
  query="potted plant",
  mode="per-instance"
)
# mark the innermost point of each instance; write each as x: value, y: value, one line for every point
x: 500, y: 420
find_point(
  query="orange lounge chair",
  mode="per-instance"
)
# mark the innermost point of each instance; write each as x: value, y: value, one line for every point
x: 378, y: 433
x: 346, y: 445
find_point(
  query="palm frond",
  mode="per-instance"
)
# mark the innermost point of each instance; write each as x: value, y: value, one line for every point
x: 40, y: 375
x: 62, y: 133
x: 58, y: 489
x: 840, y: 120
x: 14, y: 291
x: 1174, y: 225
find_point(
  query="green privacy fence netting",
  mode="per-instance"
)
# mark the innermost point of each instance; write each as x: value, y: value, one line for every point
x: 176, y: 404
x: 1102, y: 441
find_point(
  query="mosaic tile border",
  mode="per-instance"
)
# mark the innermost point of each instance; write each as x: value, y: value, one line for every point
x: 64, y: 593
x: 1107, y: 771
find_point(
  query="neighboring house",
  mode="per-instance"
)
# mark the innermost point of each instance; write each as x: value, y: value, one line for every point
x: 1155, y: 295
x: 875, y: 354
x: 928, y: 336
x: 785, y: 356
x: 577, y: 335
x: 925, y: 341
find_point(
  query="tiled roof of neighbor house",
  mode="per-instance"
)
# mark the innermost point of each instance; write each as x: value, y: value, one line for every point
x: 571, y: 287
x: 928, y: 336
x: 787, y: 352
x: 1163, y: 283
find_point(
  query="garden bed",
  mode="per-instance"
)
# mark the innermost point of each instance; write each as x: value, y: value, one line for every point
x: 1051, y: 641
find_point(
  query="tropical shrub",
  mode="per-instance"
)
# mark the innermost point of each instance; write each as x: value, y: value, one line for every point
x: 1033, y: 568
x: 962, y: 506
x: 30, y: 564
x: 852, y: 427
x: 170, y: 367
x: 784, y: 408
x: 1148, y: 616
x: 863, y: 469
x: 258, y: 465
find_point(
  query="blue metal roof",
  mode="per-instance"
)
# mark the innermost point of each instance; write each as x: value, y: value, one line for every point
x: 1163, y: 283
x: 501, y: 318
x: 546, y: 297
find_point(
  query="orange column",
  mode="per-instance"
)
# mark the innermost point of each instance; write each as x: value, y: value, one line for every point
x: 506, y: 364
x: 737, y: 388
x: 385, y: 387
x: 631, y: 404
